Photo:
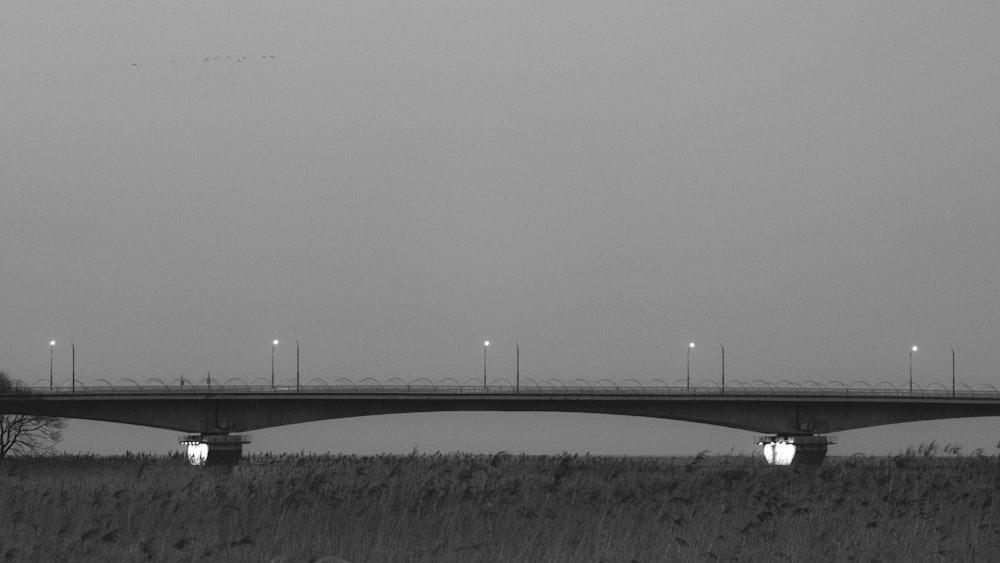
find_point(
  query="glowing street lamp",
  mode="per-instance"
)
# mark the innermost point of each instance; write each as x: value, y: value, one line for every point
x: 273, y: 345
x: 690, y: 347
x: 52, y: 347
x: 486, y: 345
x: 912, y: 350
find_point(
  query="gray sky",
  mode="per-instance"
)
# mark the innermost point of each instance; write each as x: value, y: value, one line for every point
x: 813, y: 184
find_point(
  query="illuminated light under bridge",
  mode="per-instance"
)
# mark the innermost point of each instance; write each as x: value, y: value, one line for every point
x: 197, y: 452
x: 786, y: 450
x: 222, y: 450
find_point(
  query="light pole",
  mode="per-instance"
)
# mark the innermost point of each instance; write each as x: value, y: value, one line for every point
x: 517, y: 369
x: 690, y: 347
x: 297, y: 386
x: 273, y: 345
x: 952, y: 371
x: 723, y: 368
x: 73, y: 368
x: 912, y: 350
x: 52, y: 347
x: 486, y: 345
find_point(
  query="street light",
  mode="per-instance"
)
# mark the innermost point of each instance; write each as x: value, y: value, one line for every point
x: 273, y: 344
x: 723, y: 368
x: 952, y: 371
x: 690, y: 347
x: 486, y: 345
x: 912, y: 350
x: 73, y: 369
x: 52, y: 347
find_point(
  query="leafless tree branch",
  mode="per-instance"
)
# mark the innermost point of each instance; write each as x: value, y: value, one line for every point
x: 22, y: 434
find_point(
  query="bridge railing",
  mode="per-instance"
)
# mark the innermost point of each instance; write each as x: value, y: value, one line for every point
x: 450, y: 386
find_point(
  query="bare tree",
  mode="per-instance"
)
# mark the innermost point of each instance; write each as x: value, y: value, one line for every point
x: 24, y: 433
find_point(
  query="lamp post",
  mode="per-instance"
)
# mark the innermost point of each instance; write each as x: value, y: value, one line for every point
x: 690, y: 347
x: 73, y: 368
x: 952, y: 371
x: 912, y: 350
x: 486, y: 345
x: 297, y: 385
x: 52, y: 347
x: 723, y: 368
x: 273, y: 345
x: 517, y: 369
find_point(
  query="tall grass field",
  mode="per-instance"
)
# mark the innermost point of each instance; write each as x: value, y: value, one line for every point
x: 468, y: 508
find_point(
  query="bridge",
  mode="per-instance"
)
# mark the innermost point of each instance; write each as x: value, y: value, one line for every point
x: 795, y: 419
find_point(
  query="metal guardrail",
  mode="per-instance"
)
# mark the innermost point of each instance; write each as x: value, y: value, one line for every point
x: 450, y: 386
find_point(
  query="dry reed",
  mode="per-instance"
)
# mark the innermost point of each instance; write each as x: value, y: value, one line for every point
x: 471, y: 508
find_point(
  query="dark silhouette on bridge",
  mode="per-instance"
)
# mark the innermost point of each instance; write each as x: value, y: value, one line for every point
x: 800, y: 413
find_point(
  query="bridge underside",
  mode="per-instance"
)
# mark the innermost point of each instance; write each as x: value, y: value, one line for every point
x: 233, y: 413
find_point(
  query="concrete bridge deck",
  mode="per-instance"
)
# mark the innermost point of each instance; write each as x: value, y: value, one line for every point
x: 237, y: 406
x: 783, y: 410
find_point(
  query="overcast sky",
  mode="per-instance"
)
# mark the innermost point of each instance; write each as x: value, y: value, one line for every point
x: 813, y: 184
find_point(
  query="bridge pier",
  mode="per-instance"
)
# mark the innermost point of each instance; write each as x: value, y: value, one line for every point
x: 806, y: 449
x: 215, y: 450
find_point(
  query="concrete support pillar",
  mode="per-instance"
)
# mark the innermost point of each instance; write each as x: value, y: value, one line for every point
x: 795, y: 449
x: 215, y: 450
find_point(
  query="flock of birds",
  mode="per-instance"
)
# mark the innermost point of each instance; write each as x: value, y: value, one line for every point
x: 226, y: 59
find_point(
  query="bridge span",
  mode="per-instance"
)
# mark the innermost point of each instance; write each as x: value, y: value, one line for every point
x: 795, y: 419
